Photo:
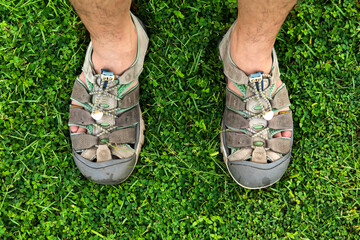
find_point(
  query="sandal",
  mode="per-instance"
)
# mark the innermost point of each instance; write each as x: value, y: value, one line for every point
x: 111, y: 114
x: 254, y: 158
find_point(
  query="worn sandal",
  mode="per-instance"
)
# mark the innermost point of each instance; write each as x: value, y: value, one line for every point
x: 254, y: 158
x: 111, y: 114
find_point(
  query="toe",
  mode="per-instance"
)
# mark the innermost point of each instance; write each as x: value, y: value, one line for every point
x: 286, y: 134
x: 74, y: 129
x: 277, y: 135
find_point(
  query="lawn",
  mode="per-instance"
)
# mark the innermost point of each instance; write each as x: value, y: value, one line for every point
x: 180, y: 188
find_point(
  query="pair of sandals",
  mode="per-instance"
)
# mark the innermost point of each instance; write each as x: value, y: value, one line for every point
x: 109, y: 110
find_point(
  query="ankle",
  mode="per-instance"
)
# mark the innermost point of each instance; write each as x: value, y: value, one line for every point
x: 116, y: 53
x: 250, y: 56
x: 115, y: 61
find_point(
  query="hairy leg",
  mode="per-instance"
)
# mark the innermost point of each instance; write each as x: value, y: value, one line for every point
x: 253, y: 38
x: 112, y: 33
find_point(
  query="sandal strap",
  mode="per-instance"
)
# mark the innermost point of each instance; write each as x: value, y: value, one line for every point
x: 281, y: 121
x: 83, y: 141
x: 241, y: 154
x: 128, y: 118
x: 281, y: 99
x: 125, y: 135
x: 80, y: 116
x: 80, y: 93
x: 234, y: 102
x: 86, y: 141
x: 130, y: 99
x: 234, y: 120
x: 259, y: 155
x: 279, y: 145
x: 238, y: 140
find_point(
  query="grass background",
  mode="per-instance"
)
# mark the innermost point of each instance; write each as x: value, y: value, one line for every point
x: 180, y: 188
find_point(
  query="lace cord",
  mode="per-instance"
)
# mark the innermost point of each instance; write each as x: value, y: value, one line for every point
x: 100, y: 92
x: 259, y: 95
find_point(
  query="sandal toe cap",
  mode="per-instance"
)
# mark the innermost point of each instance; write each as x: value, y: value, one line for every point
x: 110, y: 172
x: 257, y: 175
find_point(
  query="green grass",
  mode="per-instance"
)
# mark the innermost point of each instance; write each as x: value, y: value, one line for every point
x: 180, y: 188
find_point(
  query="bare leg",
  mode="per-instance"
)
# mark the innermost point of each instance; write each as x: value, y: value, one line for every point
x: 253, y: 38
x: 112, y: 33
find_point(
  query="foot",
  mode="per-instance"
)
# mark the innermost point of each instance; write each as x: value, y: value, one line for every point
x: 116, y: 55
x: 252, y: 62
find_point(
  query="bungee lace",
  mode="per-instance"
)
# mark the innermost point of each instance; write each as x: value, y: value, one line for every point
x: 256, y: 86
x: 100, y: 92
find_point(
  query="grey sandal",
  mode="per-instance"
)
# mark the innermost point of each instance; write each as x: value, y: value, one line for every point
x: 254, y: 158
x: 111, y: 114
